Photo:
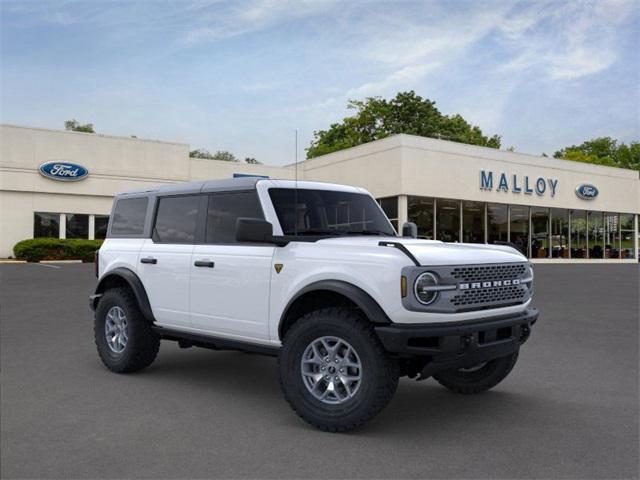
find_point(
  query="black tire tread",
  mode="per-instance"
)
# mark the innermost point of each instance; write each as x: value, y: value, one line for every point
x: 145, y: 342
x: 389, y: 374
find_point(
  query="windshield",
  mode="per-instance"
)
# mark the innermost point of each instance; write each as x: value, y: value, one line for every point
x: 327, y: 212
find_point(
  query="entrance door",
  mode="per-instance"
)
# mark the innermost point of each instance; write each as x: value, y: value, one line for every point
x: 230, y: 280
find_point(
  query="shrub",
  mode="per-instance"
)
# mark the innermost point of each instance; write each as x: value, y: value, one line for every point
x: 36, y: 249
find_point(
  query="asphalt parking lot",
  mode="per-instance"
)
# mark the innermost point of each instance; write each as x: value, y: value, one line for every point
x: 569, y: 409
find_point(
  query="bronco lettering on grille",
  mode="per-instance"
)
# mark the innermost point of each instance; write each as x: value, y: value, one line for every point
x: 494, y: 283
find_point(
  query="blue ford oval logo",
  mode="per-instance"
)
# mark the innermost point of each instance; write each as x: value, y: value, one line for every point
x: 64, y: 171
x: 586, y: 191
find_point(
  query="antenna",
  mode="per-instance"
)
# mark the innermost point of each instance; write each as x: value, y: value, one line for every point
x: 295, y: 190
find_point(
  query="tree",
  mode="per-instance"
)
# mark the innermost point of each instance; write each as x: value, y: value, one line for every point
x: 75, y: 126
x: 377, y: 118
x: 252, y: 161
x: 222, y: 155
x: 604, y: 151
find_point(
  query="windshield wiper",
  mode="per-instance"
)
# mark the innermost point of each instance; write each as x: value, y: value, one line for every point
x: 370, y: 232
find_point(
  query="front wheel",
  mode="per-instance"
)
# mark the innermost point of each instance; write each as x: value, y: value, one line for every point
x: 477, y: 378
x: 333, y: 370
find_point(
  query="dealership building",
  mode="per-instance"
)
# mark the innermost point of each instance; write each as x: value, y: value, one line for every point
x: 61, y: 184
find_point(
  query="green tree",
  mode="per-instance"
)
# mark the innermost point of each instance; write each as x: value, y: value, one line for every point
x: 74, y: 126
x: 222, y: 155
x: 604, y: 151
x: 252, y: 161
x: 377, y: 118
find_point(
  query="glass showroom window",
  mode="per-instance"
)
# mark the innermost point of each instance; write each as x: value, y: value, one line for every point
x: 46, y: 225
x: 473, y: 222
x: 559, y: 233
x: 448, y: 220
x: 390, y: 207
x: 77, y: 226
x: 578, y: 234
x: 100, y: 226
x: 420, y: 212
x: 611, y: 235
x: 539, y: 232
x: 497, y: 223
x: 626, y: 235
x: 520, y: 228
x: 595, y: 237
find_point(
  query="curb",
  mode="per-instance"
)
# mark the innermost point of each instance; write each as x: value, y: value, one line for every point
x: 8, y: 261
x: 60, y: 261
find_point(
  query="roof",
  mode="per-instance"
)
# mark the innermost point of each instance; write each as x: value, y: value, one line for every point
x: 227, y: 184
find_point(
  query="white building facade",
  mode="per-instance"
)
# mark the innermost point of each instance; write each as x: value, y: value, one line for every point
x: 61, y: 184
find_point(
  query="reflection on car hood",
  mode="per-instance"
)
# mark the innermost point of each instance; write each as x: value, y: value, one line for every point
x: 432, y: 252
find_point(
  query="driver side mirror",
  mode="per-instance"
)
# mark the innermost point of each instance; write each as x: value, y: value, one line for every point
x: 410, y: 230
x: 256, y: 230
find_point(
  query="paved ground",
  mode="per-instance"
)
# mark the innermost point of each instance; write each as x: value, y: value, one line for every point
x: 569, y: 409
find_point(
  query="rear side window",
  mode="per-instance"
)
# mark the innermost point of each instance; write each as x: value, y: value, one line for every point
x: 224, y: 209
x: 128, y: 216
x: 176, y: 219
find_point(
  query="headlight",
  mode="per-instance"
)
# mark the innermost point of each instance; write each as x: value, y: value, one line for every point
x: 424, y: 288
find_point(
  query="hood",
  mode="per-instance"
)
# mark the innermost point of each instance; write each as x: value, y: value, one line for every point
x: 433, y: 252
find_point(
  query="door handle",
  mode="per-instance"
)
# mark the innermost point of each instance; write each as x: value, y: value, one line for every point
x: 151, y: 260
x: 204, y: 263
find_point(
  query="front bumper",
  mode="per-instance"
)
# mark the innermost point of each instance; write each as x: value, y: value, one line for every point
x: 458, y: 345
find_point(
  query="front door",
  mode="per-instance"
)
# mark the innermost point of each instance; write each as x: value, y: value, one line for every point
x: 230, y: 280
x: 165, y: 259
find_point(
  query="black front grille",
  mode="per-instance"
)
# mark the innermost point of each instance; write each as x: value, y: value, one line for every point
x: 479, y: 273
x: 511, y: 294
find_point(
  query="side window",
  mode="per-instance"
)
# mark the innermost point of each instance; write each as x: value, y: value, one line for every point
x: 176, y: 219
x: 128, y: 216
x: 224, y: 209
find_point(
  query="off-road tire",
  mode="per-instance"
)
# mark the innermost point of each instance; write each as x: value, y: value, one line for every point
x: 143, y: 343
x: 379, y: 373
x: 478, y: 381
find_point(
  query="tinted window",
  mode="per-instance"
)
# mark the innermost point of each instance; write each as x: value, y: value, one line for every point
x: 100, y: 226
x: 176, y: 219
x: 224, y: 210
x: 128, y: 217
x: 320, y: 212
x: 77, y: 226
x: 46, y: 225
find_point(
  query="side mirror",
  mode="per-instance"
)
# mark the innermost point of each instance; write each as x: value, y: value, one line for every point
x: 255, y: 230
x: 410, y: 230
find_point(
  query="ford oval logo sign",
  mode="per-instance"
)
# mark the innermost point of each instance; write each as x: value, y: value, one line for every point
x: 586, y: 191
x: 63, y: 171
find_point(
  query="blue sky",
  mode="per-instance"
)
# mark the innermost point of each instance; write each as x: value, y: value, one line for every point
x: 241, y: 76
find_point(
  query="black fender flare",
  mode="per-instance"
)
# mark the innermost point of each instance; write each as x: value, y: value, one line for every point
x: 134, y: 283
x: 359, y: 297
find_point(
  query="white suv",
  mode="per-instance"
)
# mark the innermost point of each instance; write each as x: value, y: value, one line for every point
x: 316, y: 275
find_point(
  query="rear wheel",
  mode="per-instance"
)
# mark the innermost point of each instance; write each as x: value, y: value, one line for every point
x: 477, y: 378
x: 124, y: 338
x: 333, y: 371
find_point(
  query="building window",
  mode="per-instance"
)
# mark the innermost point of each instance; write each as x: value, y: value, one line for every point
x: 390, y: 207
x: 559, y: 233
x: 626, y: 236
x: 473, y: 222
x: 176, y: 219
x: 420, y: 212
x: 539, y: 232
x: 101, y: 222
x: 497, y: 223
x: 595, y: 236
x: 611, y: 235
x: 448, y: 220
x: 519, y: 228
x: 46, y: 225
x: 578, y: 234
x: 77, y: 226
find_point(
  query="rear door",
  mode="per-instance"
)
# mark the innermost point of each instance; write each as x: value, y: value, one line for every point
x: 230, y: 280
x: 166, y: 257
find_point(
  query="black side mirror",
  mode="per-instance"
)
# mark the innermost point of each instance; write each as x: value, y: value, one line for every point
x: 256, y: 230
x: 410, y: 230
